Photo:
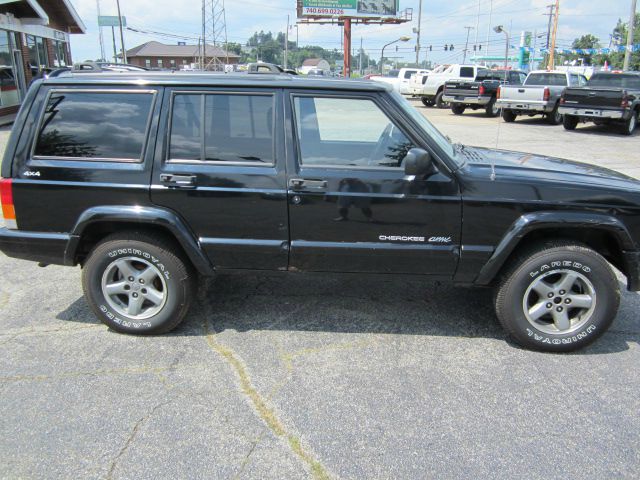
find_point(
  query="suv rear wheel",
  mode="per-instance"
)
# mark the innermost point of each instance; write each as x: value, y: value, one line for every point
x: 439, y: 102
x: 570, y: 122
x: 558, y: 297
x: 427, y: 102
x: 137, y: 284
x: 630, y: 125
x: 508, y: 116
x: 492, y: 110
x: 555, y: 117
x: 458, y: 109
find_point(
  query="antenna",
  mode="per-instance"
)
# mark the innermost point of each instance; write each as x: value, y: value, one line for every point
x: 214, y: 34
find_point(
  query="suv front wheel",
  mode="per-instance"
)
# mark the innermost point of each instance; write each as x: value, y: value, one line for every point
x: 557, y: 297
x: 137, y: 284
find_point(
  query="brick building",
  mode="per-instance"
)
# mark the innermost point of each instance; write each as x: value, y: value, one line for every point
x: 34, y: 37
x: 159, y: 55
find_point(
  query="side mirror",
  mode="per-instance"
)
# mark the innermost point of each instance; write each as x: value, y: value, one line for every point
x: 418, y: 162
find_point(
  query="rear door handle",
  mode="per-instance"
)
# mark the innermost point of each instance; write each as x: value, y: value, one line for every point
x: 302, y: 184
x: 178, y: 181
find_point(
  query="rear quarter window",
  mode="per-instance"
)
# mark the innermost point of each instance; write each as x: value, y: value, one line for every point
x: 467, y: 72
x: 107, y: 125
x: 546, y: 79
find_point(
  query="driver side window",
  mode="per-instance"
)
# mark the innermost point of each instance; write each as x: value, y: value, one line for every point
x: 345, y: 132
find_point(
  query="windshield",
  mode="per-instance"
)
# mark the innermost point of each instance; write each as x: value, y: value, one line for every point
x: 615, y: 80
x: 427, y: 126
x: 546, y: 79
x: 393, y: 73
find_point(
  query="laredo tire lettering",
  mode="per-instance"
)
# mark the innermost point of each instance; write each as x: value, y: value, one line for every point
x: 545, y: 260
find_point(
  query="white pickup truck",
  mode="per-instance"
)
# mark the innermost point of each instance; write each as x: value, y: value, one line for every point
x: 539, y: 95
x: 430, y: 87
x: 400, y: 78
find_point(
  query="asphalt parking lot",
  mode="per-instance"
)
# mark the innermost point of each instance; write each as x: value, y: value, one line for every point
x: 309, y: 376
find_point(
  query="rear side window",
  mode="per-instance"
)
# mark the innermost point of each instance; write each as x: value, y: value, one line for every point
x: 467, y: 72
x: 408, y: 73
x: 222, y: 128
x: 109, y: 125
x: 546, y: 79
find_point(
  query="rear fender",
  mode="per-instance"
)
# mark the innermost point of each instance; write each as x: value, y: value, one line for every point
x: 140, y: 216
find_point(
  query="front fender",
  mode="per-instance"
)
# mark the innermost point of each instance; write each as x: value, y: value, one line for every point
x: 140, y: 215
x: 548, y: 220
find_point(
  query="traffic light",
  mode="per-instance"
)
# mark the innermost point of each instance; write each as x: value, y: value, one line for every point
x: 431, y: 48
x: 451, y: 48
x: 446, y: 48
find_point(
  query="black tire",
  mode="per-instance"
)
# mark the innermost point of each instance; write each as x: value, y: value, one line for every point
x: 555, y: 117
x: 457, y: 109
x: 570, y: 122
x: 545, y: 267
x: 439, y: 102
x: 491, y: 110
x: 427, y: 102
x: 509, y: 116
x: 631, y: 124
x: 170, y: 278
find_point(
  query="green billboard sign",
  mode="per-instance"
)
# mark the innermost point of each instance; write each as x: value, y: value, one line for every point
x: 350, y: 8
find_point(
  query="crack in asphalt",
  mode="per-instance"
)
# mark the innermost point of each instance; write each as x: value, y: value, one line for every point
x: 131, y: 437
x: 265, y: 412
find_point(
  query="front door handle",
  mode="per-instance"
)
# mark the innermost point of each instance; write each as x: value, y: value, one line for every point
x: 178, y: 181
x: 302, y: 184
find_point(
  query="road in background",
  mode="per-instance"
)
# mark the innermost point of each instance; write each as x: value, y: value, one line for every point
x: 309, y: 376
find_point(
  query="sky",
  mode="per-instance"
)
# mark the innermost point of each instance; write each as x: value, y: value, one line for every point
x: 443, y: 22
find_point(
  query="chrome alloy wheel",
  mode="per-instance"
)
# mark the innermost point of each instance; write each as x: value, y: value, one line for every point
x: 134, y: 288
x: 559, y: 302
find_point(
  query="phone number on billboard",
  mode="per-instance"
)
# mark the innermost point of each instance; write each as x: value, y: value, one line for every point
x: 323, y: 11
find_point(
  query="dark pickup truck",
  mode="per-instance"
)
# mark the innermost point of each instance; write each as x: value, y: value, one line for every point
x: 607, y: 99
x: 150, y: 181
x: 480, y: 93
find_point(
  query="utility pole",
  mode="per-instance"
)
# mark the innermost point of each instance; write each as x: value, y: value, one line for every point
x: 102, y: 52
x: 418, y: 34
x: 551, y: 10
x: 630, y: 35
x: 360, y: 61
x: 113, y: 36
x: 466, y: 45
x: 553, y: 37
x: 477, y: 24
x: 124, y: 51
x: 203, y: 50
x: 286, y: 44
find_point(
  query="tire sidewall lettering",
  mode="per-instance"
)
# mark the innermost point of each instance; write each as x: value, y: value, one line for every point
x: 136, y: 252
x: 558, y: 264
x: 573, y: 337
x: 122, y: 322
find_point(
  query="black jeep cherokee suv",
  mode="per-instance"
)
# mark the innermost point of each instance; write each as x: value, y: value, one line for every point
x: 147, y: 180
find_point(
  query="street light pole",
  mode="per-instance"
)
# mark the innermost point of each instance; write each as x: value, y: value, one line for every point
x: 630, y: 35
x: 401, y: 39
x: 499, y: 29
